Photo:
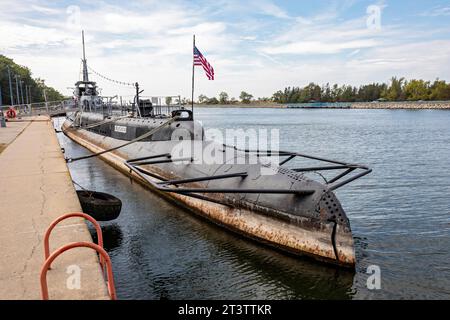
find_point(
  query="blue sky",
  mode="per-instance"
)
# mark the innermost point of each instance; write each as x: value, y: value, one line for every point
x: 258, y: 45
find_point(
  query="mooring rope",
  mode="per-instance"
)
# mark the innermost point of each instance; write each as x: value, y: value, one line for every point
x: 74, y: 182
x: 84, y: 189
x: 141, y: 137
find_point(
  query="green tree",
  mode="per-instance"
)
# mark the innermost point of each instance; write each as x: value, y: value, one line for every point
x: 278, y: 97
x: 37, y: 86
x: 212, y: 100
x: 245, y: 97
x: 348, y: 94
x: 223, y: 97
x: 395, y: 91
x: 371, y: 92
x: 326, y: 93
x: 202, y: 98
x: 440, y: 90
x: 417, y: 90
x: 313, y: 92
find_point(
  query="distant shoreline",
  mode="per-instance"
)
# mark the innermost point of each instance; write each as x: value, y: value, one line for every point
x: 395, y: 105
x: 243, y: 105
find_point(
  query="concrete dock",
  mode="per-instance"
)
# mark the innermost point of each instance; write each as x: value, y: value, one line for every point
x: 36, y: 188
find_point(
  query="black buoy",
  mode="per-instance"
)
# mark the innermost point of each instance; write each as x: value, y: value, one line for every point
x: 101, y: 206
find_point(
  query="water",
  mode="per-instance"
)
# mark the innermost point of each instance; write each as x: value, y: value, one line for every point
x: 400, y: 215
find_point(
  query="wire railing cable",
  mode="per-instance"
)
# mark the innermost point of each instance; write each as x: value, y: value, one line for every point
x: 111, y: 80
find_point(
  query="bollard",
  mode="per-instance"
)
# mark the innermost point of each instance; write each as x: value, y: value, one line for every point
x: 2, y: 120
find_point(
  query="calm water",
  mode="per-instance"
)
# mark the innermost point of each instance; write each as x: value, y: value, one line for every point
x: 400, y: 215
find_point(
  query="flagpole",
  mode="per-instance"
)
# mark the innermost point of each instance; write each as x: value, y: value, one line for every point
x: 193, y: 72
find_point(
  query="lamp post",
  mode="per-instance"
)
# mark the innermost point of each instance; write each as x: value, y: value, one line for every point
x: 27, y: 87
x: 17, y: 88
x: 10, y: 87
x: 21, y: 91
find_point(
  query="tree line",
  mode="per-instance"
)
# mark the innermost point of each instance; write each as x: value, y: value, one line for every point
x: 398, y: 89
x: 24, y: 88
x: 224, y: 98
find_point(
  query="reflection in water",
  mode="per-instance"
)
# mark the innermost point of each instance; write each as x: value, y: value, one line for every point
x: 301, y: 277
x: 112, y: 235
x: 211, y: 263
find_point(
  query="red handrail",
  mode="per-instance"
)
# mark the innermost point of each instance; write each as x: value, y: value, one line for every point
x: 69, y: 215
x: 54, y: 255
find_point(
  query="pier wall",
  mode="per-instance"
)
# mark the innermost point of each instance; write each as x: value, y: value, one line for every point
x: 36, y: 188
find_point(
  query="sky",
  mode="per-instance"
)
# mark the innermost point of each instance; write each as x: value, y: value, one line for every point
x: 259, y: 46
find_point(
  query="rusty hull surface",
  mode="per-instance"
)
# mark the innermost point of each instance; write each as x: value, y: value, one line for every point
x: 330, y: 241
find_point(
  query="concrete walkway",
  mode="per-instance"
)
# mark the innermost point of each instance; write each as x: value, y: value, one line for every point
x: 8, y: 134
x: 35, y: 188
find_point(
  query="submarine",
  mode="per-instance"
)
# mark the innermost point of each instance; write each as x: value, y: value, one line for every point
x: 250, y: 192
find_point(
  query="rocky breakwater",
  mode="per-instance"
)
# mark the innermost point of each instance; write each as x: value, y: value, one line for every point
x: 402, y: 105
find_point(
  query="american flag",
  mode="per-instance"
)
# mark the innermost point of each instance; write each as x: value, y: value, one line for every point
x: 199, y: 60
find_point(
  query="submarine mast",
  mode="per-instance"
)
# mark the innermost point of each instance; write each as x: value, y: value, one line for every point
x: 85, y: 71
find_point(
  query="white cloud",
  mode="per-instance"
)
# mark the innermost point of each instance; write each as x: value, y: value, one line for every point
x: 438, y: 11
x: 152, y: 43
x: 17, y: 36
x: 270, y: 9
x: 317, y: 47
x: 45, y: 10
x: 424, y: 59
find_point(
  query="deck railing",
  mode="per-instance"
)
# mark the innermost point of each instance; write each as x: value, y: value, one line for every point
x: 51, y: 108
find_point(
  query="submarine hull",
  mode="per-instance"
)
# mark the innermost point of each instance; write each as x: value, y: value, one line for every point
x: 314, y: 225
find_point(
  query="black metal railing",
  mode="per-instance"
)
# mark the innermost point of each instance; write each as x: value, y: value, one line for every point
x: 165, y: 185
x: 173, y: 186
x: 332, y: 184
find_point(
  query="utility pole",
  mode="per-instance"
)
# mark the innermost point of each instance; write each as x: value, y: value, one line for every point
x: 26, y: 94
x: 45, y: 98
x: 21, y: 91
x: 10, y: 87
x: 17, y: 89
x: 29, y: 93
